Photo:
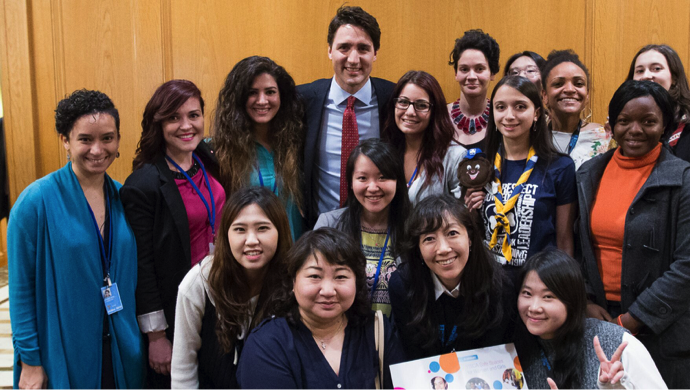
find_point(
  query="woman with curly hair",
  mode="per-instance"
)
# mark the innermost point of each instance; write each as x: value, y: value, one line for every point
x: 71, y: 258
x: 322, y: 336
x: 172, y: 201
x: 420, y: 129
x: 224, y: 297
x: 258, y: 133
x: 474, y: 59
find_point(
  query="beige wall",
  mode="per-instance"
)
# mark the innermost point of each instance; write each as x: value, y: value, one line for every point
x: 49, y: 48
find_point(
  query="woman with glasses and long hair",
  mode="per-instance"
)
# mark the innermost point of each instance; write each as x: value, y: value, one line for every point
x: 421, y: 131
x: 661, y: 64
x: 526, y: 64
x: 566, y: 84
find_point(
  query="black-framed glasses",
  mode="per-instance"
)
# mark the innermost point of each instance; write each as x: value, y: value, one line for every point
x: 419, y: 105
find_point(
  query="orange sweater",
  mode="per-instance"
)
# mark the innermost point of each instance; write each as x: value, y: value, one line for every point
x: 622, y: 180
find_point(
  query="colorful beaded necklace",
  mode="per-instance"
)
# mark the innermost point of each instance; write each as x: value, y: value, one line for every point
x: 469, y: 126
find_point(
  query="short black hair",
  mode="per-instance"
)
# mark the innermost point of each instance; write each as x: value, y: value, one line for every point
x: 632, y: 89
x: 557, y: 57
x: 355, y: 16
x: 478, y: 40
x: 83, y: 102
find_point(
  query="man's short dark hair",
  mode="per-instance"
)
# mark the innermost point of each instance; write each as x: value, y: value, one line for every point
x: 355, y: 16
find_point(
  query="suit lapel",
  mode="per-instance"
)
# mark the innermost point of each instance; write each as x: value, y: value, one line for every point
x: 175, y: 204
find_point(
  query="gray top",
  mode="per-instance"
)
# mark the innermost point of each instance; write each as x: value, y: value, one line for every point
x: 448, y: 184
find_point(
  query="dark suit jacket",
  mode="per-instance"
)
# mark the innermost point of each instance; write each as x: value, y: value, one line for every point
x: 157, y: 215
x: 314, y: 98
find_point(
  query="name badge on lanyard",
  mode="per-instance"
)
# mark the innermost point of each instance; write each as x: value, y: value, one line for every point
x: 210, y: 211
x: 110, y: 293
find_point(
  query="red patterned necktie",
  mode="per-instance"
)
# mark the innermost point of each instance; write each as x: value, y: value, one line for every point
x: 350, y: 140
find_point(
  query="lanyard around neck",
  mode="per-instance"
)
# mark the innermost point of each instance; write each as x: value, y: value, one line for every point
x: 574, y: 137
x: 414, y: 174
x: 211, y: 211
x: 105, y: 254
x: 378, y: 268
x: 261, y: 179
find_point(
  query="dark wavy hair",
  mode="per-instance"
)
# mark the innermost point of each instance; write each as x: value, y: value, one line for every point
x: 83, y: 102
x: 228, y: 283
x: 478, y: 40
x: 539, y: 60
x: 632, y: 89
x: 384, y: 157
x: 233, y: 128
x: 562, y: 276
x: 167, y: 99
x: 355, y: 16
x: 336, y: 248
x: 481, y: 281
x: 557, y: 57
x: 437, y: 136
x: 539, y: 136
x: 679, y: 90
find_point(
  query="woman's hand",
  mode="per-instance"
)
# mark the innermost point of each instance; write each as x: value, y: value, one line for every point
x: 595, y: 311
x: 628, y: 322
x: 610, y: 371
x: 474, y: 198
x: 160, y: 352
x: 33, y: 377
x: 552, y: 384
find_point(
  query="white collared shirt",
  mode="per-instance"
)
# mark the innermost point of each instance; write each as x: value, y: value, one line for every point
x: 331, y: 135
x: 440, y: 289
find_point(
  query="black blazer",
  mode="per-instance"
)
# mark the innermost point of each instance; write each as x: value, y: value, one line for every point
x: 314, y: 97
x: 157, y: 215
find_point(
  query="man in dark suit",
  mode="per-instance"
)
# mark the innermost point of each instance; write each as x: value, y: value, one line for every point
x: 354, y: 39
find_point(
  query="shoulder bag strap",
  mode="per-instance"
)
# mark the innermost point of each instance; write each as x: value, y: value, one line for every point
x: 379, y: 341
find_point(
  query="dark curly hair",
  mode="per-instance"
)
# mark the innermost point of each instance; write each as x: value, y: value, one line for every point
x: 557, y: 57
x: 633, y: 89
x: 233, y: 128
x: 679, y: 90
x: 170, y: 96
x: 478, y: 40
x: 83, y: 102
x: 355, y: 16
x: 336, y: 248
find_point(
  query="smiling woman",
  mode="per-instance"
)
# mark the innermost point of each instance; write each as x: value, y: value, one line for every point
x: 172, y: 201
x: 449, y: 294
x: 323, y: 335
x: 374, y: 214
x: 634, y: 229
x: 258, y: 133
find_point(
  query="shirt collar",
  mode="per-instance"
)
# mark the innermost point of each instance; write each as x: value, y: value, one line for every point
x: 440, y: 289
x: 339, y: 95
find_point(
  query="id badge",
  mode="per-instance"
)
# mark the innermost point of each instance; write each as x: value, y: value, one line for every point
x: 211, y: 248
x: 111, y: 298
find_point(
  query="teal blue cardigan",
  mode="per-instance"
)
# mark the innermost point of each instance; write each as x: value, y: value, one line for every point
x: 55, y: 276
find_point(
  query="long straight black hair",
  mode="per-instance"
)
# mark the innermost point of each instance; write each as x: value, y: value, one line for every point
x: 480, y: 281
x: 383, y: 156
x: 561, y: 274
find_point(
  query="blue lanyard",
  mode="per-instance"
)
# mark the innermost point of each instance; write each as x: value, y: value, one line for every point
x: 451, y: 338
x: 378, y: 269
x: 414, y: 174
x: 574, y: 137
x: 261, y: 179
x: 105, y: 255
x: 210, y: 211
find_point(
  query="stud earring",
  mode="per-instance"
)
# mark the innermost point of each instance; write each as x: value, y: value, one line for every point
x: 117, y: 155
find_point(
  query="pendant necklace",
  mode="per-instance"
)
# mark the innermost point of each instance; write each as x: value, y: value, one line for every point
x: 323, y: 341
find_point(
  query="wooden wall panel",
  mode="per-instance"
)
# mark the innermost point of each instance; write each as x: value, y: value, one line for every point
x: 127, y: 48
x: 621, y: 28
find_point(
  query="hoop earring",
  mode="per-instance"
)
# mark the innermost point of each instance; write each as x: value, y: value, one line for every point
x: 587, y: 117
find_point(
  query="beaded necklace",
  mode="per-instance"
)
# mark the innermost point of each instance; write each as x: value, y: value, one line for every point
x: 469, y: 126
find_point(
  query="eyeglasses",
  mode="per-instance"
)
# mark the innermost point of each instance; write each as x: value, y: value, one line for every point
x: 419, y: 105
x: 531, y: 72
